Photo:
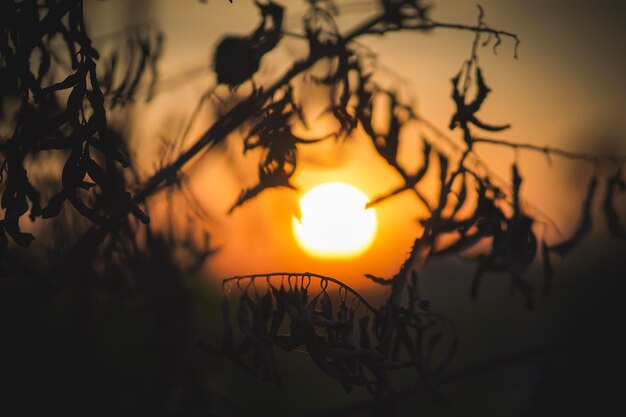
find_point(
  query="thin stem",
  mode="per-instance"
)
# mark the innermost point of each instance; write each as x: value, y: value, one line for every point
x: 593, y: 158
x: 440, y: 25
x: 305, y: 274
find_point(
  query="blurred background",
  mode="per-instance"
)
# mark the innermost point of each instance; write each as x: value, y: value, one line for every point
x: 135, y: 352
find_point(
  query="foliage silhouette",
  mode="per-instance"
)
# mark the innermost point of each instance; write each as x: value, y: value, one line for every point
x: 345, y: 336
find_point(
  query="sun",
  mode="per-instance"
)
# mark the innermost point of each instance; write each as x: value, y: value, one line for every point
x: 334, y: 221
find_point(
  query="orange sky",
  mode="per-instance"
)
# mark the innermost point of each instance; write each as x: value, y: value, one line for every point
x: 567, y: 83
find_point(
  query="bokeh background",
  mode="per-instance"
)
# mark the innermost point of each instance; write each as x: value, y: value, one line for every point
x: 138, y: 357
x: 565, y: 89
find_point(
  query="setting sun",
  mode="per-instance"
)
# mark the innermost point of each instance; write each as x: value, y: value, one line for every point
x: 334, y: 221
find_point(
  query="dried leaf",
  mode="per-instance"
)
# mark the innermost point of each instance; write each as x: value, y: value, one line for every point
x: 378, y: 280
x: 584, y: 226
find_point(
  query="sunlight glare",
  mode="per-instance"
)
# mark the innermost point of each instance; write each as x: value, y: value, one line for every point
x: 335, y: 223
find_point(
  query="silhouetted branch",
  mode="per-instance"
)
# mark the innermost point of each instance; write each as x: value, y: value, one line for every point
x: 234, y: 118
x: 309, y: 275
x: 243, y: 111
x: 588, y: 157
x: 442, y: 25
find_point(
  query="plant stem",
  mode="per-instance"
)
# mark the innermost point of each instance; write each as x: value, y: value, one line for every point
x: 304, y: 274
x: 594, y: 158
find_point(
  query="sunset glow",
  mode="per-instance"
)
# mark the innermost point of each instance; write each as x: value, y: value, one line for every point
x: 334, y: 221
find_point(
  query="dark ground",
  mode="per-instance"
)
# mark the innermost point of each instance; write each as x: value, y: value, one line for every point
x: 126, y: 346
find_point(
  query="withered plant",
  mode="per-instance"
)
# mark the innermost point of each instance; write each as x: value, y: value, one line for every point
x: 63, y: 90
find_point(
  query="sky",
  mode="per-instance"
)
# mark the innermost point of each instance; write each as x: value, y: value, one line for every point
x: 567, y: 88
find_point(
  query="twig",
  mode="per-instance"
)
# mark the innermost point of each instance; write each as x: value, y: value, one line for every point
x: 440, y: 25
x: 304, y: 274
x: 593, y: 158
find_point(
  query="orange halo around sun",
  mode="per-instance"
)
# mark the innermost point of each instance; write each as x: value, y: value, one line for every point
x: 334, y: 222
